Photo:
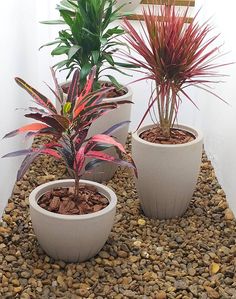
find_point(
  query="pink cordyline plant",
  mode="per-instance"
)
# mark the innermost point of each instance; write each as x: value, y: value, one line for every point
x: 175, y: 55
x: 69, y: 128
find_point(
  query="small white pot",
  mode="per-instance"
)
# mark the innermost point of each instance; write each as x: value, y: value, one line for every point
x: 129, y: 5
x: 71, y: 238
x: 167, y: 174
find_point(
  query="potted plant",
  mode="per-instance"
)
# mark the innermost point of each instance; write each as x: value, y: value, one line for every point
x: 175, y: 56
x: 90, y: 40
x: 71, y: 218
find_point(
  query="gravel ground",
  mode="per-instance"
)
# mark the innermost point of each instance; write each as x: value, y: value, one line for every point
x: 190, y: 257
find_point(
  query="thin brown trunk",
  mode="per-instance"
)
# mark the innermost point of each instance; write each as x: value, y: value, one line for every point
x: 77, y: 187
x: 76, y: 175
x: 166, y: 129
x: 172, y: 110
x: 159, y: 106
x: 164, y: 115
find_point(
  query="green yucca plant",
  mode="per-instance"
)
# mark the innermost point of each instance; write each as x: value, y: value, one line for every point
x: 175, y: 55
x: 88, y: 38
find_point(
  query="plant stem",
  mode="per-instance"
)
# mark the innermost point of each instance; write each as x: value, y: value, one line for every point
x: 159, y: 106
x: 76, y: 194
x: 164, y: 119
x: 173, y: 103
x: 76, y: 175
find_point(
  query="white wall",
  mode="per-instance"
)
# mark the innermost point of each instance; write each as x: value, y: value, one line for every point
x: 20, y: 40
x: 20, y: 57
x: 219, y: 119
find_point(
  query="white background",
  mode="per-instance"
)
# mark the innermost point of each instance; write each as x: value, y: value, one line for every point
x: 22, y: 35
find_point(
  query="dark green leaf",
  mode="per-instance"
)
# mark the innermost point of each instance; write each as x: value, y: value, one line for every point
x: 109, y: 59
x: 85, y: 70
x: 113, y: 31
x: 127, y: 65
x: 95, y: 55
x: 114, y: 81
x: 67, y: 18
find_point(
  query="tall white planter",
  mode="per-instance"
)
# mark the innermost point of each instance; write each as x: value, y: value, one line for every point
x: 167, y: 174
x: 106, y: 170
x: 71, y: 238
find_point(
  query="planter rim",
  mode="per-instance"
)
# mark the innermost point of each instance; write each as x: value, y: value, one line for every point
x: 128, y: 94
x: 195, y: 131
x: 33, y: 198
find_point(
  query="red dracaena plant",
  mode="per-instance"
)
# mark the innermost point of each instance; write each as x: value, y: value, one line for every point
x: 69, y: 128
x: 175, y: 55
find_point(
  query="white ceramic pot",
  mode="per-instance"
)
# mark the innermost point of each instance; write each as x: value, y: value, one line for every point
x: 129, y: 5
x: 106, y: 170
x: 167, y: 174
x: 71, y: 238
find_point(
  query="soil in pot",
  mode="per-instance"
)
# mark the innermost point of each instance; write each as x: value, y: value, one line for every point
x: 114, y: 93
x: 178, y: 136
x: 62, y: 201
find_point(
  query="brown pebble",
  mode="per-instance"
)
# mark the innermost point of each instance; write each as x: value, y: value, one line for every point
x: 161, y: 295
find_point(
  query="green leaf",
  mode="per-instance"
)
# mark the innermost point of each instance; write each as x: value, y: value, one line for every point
x: 60, y: 64
x: 127, y: 65
x: 68, y: 4
x: 114, y: 81
x: 109, y: 59
x: 117, y: 70
x: 85, y: 70
x: 73, y: 50
x: 60, y: 50
x: 95, y: 55
x: 113, y: 31
x: 53, y: 22
x: 89, y: 32
x: 103, y: 40
x: 50, y: 44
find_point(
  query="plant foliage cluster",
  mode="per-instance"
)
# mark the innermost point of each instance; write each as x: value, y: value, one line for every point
x: 175, y: 56
x: 69, y: 128
x: 89, y: 39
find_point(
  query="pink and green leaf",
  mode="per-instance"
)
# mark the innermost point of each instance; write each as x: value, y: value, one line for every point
x: 58, y: 89
x: 73, y: 88
x: 26, y: 128
x: 55, y: 121
x: 37, y: 96
x: 102, y: 138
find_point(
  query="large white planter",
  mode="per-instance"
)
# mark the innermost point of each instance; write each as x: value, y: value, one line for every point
x: 71, y: 238
x: 167, y: 174
x: 106, y: 170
